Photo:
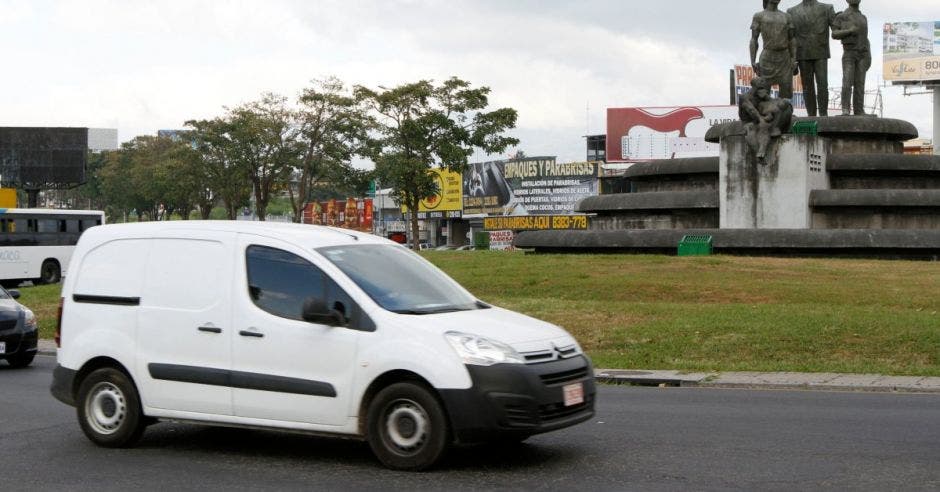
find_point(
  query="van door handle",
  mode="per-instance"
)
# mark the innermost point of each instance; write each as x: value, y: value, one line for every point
x: 210, y: 329
x: 251, y: 334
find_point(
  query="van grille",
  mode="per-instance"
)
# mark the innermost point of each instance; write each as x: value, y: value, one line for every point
x: 564, y: 377
x: 556, y: 353
x: 7, y: 324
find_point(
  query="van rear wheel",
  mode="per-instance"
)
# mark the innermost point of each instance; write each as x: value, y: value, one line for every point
x: 109, y: 410
x: 407, y: 428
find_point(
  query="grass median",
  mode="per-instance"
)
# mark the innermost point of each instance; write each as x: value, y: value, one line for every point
x: 717, y: 313
x: 723, y: 313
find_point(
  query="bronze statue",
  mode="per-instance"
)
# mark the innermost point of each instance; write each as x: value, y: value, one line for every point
x: 764, y: 118
x: 811, y: 22
x: 778, y: 58
x: 851, y: 27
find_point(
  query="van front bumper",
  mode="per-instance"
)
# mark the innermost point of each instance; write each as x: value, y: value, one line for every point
x: 510, y: 401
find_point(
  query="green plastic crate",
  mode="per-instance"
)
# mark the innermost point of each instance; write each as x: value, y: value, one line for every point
x: 805, y: 128
x: 481, y: 240
x: 695, y: 245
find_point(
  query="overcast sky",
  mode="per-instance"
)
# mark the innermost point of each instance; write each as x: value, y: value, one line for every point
x: 140, y: 66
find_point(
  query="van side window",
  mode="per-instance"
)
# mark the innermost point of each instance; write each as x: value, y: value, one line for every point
x: 279, y: 282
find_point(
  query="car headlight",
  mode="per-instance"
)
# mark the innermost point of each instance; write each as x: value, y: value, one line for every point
x: 479, y: 351
x: 30, y: 322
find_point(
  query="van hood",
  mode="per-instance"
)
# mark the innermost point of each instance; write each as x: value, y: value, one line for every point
x: 518, y: 330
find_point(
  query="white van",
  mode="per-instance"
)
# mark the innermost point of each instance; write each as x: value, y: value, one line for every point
x: 304, y: 328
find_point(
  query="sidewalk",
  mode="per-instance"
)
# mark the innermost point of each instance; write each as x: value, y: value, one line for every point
x: 757, y: 380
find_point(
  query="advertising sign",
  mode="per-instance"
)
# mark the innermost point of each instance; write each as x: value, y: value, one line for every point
x: 447, y: 203
x: 528, y: 186
x: 7, y: 198
x: 744, y: 74
x: 643, y: 134
x: 501, y: 241
x: 912, y: 51
x: 536, y: 223
x: 43, y: 157
x: 351, y: 213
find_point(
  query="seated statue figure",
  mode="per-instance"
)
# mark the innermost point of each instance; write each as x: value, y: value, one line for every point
x: 764, y: 117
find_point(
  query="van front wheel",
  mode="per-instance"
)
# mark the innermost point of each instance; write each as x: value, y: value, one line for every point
x: 109, y: 409
x: 407, y: 429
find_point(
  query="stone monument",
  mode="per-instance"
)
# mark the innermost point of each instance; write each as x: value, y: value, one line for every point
x: 851, y: 27
x: 834, y: 186
x: 777, y: 62
x: 811, y: 22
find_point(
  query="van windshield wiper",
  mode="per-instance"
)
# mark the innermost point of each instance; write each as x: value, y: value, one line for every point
x: 434, y: 310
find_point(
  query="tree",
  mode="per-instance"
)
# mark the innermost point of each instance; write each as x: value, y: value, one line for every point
x: 264, y: 144
x: 148, y: 175
x: 420, y: 123
x: 217, y: 154
x: 333, y: 127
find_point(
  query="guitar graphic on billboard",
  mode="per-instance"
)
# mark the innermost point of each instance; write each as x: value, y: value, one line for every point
x: 638, y: 134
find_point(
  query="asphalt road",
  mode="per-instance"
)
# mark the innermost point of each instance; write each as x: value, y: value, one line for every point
x: 642, y: 438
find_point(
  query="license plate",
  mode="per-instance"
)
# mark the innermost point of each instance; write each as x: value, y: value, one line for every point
x: 574, y: 394
x: 3, y: 347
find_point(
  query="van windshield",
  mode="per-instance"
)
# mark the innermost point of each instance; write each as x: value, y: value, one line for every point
x: 399, y: 280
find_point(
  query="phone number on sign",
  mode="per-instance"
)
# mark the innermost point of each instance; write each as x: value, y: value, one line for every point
x: 536, y: 222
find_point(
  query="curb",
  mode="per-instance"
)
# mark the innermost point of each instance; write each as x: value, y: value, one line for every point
x: 772, y: 381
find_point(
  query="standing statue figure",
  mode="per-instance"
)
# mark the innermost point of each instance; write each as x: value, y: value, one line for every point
x: 764, y: 118
x: 851, y: 26
x: 811, y: 21
x: 778, y: 59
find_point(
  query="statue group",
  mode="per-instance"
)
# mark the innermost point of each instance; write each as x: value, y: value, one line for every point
x: 797, y: 42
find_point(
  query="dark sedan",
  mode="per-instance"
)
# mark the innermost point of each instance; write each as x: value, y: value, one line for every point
x: 19, y: 331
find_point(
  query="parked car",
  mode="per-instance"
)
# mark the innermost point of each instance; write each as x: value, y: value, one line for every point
x: 318, y: 331
x: 19, y: 331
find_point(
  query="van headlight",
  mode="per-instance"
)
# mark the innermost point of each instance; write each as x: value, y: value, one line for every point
x: 30, y: 321
x: 479, y: 351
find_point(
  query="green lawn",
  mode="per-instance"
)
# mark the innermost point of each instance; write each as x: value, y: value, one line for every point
x: 723, y: 313
x: 717, y: 313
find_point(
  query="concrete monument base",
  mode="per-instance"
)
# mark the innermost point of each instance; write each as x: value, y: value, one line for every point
x: 774, y: 195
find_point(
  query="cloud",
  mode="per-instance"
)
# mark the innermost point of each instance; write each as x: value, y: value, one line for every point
x: 144, y: 65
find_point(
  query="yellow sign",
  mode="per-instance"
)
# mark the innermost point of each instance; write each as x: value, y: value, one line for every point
x: 917, y: 69
x: 450, y: 193
x: 7, y: 198
x: 535, y: 222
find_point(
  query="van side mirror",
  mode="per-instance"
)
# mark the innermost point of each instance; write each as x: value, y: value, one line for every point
x: 14, y: 293
x: 316, y: 311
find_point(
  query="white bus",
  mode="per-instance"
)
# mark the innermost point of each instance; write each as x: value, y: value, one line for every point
x: 36, y: 244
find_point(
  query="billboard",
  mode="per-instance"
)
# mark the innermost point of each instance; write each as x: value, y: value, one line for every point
x: 744, y: 74
x: 351, y: 213
x: 911, y: 51
x: 447, y: 203
x: 43, y: 157
x: 527, y: 186
x: 643, y: 134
